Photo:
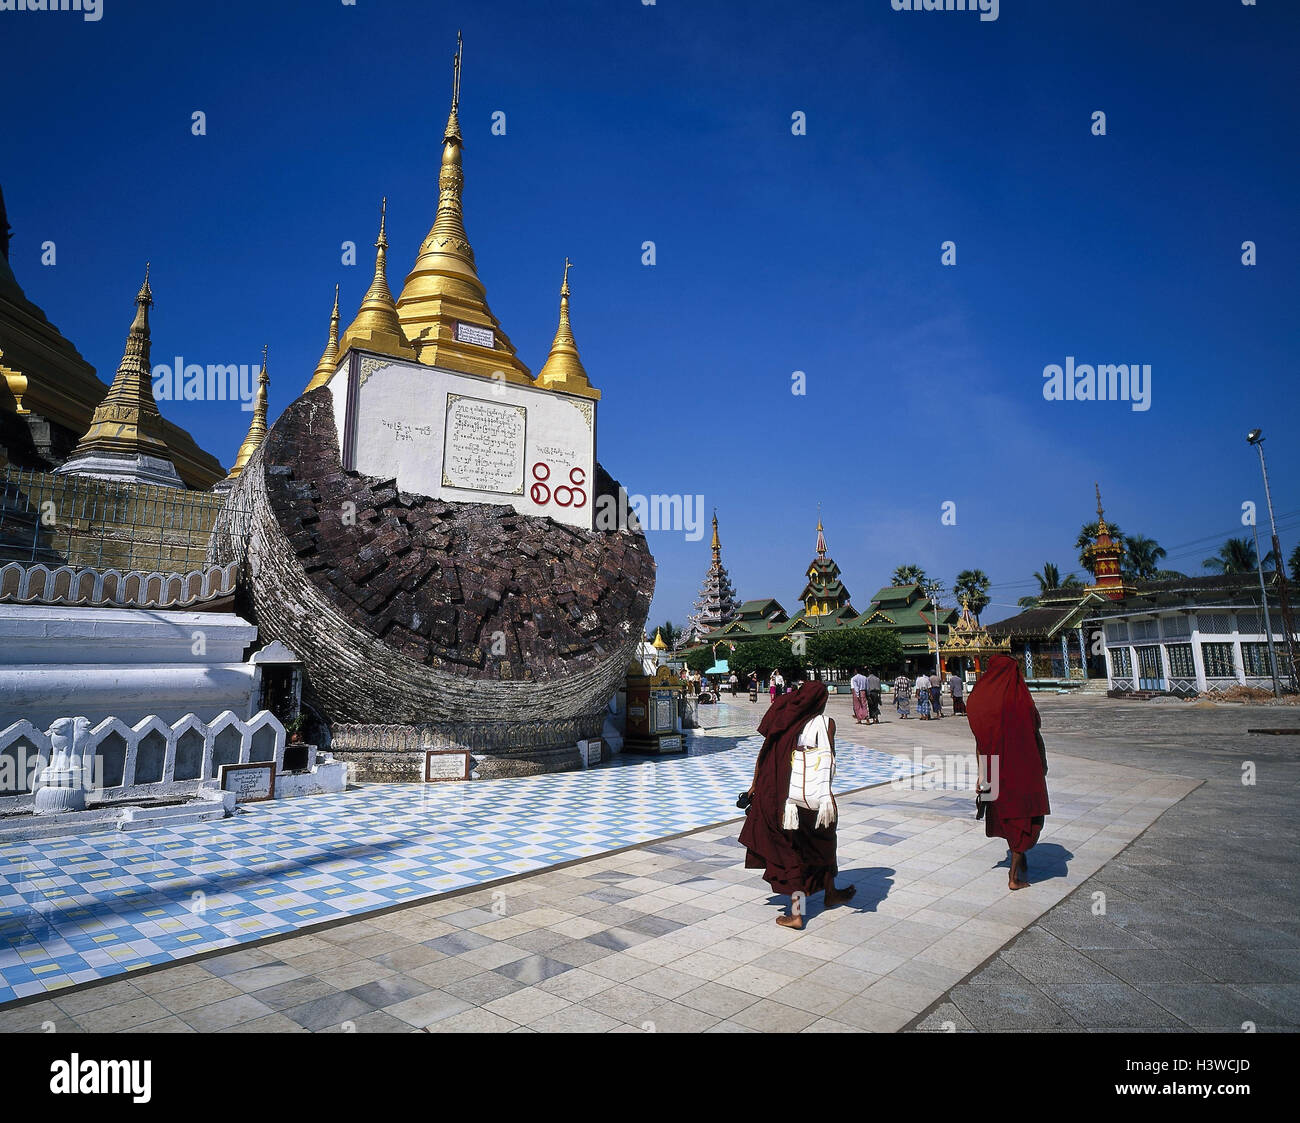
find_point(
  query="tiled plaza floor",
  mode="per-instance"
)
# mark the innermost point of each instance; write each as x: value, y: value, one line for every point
x: 79, y: 909
x: 672, y: 935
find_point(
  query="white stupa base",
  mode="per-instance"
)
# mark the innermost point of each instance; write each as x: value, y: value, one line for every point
x: 129, y: 469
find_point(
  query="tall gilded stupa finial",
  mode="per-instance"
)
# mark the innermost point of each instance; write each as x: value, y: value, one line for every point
x: 257, y: 427
x: 329, y: 359
x: 717, y: 542
x: 821, y: 536
x: 127, y: 422
x: 376, y: 327
x: 443, y: 305
x: 563, y: 369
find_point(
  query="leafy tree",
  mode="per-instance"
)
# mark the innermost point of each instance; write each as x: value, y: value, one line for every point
x: 1049, y: 578
x: 1028, y: 602
x: 1236, y: 555
x: 763, y: 655
x: 908, y: 575
x: 1169, y: 575
x: 1087, y: 537
x: 973, y: 584
x: 1142, y: 557
x: 843, y: 649
x: 1294, y: 563
x: 698, y: 658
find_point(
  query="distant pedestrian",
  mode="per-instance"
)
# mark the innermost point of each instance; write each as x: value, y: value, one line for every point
x: 903, y: 696
x: 734, y: 683
x: 873, y: 698
x: 1012, y: 762
x: 923, y: 696
x: 753, y: 686
x: 957, y: 685
x: 936, y: 694
x: 858, y: 684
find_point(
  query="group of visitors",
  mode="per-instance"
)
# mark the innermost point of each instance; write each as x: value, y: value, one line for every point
x: 929, y: 695
x: 866, y: 697
x: 790, y: 809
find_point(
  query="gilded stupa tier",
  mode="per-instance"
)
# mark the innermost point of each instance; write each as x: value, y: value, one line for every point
x: 127, y: 421
x: 443, y: 306
x: 376, y: 327
x: 563, y: 369
x: 329, y: 359
x: 257, y: 428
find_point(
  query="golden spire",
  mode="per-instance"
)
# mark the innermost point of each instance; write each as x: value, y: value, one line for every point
x: 257, y: 428
x: 1101, y: 520
x: 563, y: 369
x: 329, y: 360
x: 658, y: 643
x: 821, y: 538
x: 376, y: 327
x: 127, y: 421
x: 717, y: 542
x: 443, y: 305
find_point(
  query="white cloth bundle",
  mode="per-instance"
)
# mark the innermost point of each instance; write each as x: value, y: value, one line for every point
x: 812, y: 768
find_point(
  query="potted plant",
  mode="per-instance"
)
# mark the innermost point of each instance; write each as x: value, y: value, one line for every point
x: 294, y: 728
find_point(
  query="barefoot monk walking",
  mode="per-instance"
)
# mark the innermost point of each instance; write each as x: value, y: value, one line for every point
x: 795, y: 844
x: 1012, y: 761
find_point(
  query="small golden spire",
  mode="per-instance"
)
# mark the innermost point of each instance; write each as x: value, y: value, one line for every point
x: 443, y: 290
x: 257, y: 428
x: 127, y: 421
x: 658, y: 643
x: 821, y: 537
x: 717, y: 542
x: 376, y: 327
x: 329, y: 359
x: 563, y: 369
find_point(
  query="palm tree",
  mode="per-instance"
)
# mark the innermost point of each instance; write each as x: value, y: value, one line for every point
x: 1295, y: 564
x: 1049, y: 578
x: 1088, y: 536
x: 1142, y: 557
x: 909, y: 575
x: 1236, y: 555
x: 671, y: 633
x: 973, y: 584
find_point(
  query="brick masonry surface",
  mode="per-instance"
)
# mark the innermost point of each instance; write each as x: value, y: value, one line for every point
x: 408, y: 610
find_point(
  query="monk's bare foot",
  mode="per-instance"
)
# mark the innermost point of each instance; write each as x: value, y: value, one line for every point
x: 790, y: 921
x: 836, y: 896
x: 1017, y: 879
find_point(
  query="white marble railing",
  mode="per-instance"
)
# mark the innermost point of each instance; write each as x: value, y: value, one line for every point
x: 151, y: 757
x: 111, y: 588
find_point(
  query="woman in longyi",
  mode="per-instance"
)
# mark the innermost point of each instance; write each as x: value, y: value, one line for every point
x: 1012, y: 761
x: 789, y: 830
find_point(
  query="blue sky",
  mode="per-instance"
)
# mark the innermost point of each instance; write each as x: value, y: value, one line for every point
x: 775, y: 253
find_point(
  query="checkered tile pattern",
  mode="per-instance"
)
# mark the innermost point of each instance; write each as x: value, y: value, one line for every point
x: 78, y: 909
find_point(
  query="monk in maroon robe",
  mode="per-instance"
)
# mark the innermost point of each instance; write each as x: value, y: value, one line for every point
x: 1012, y: 761
x: 793, y: 862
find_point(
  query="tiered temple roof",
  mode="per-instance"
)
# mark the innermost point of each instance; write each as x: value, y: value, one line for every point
x: 824, y: 594
x: 717, y: 605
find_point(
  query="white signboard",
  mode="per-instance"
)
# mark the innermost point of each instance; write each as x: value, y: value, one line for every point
x: 472, y: 333
x: 468, y: 438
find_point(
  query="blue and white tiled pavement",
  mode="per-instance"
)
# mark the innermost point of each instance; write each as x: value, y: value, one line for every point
x: 79, y: 909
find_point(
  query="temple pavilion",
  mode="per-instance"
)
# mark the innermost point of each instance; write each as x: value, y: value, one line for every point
x: 717, y: 605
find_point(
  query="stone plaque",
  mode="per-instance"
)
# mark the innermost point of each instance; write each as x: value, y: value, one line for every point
x: 446, y: 764
x: 483, y: 449
x: 251, y: 783
x: 670, y: 744
x: 595, y: 750
x: 479, y: 336
x: 663, y: 703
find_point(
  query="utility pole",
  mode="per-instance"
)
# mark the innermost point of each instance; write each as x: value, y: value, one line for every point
x: 1256, y: 438
x: 1268, y: 627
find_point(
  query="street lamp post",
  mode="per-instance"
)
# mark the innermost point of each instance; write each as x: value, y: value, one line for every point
x: 1268, y: 626
x: 1256, y: 438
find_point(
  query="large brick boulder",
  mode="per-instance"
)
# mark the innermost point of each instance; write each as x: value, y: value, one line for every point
x: 423, y: 623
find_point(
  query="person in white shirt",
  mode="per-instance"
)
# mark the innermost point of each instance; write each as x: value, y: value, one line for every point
x: 923, y: 696
x: 858, y: 684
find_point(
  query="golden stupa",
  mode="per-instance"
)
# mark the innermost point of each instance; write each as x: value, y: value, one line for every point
x: 376, y: 327
x: 329, y: 359
x: 257, y: 428
x: 443, y: 305
x: 563, y: 369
